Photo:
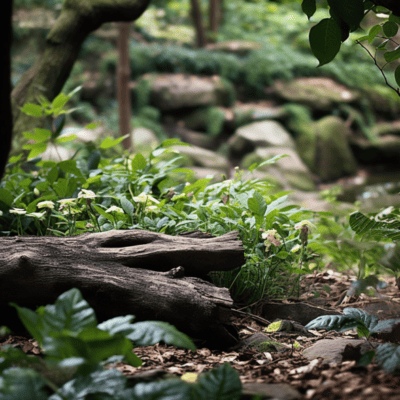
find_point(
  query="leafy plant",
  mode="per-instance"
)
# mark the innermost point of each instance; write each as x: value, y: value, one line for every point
x: 387, y: 355
x: 77, y: 348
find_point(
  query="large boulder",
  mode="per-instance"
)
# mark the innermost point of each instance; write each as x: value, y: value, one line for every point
x: 259, y: 134
x: 317, y: 93
x: 174, y: 91
x: 325, y: 149
x: 204, y: 158
x: 238, y: 47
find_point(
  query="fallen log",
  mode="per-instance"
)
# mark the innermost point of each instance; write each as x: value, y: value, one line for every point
x: 150, y: 275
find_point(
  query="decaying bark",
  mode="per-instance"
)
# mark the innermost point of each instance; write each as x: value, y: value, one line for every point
x: 150, y: 275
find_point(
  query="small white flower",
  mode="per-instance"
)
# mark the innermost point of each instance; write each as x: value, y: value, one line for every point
x: 145, y: 198
x: 19, y: 211
x: 1, y: 213
x: 115, y: 209
x: 272, y: 232
x: 36, y: 191
x: 296, y: 248
x: 86, y: 194
x: 152, y: 209
x: 45, y: 204
x: 36, y: 214
x: 67, y: 201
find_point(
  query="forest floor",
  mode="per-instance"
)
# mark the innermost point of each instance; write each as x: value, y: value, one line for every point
x: 315, y: 379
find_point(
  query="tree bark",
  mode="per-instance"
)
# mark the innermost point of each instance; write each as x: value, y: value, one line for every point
x: 48, y: 75
x: 123, y: 90
x: 198, y: 23
x: 5, y: 109
x: 150, y: 275
x: 214, y: 15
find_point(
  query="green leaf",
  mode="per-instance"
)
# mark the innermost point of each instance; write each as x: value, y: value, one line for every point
x: 392, y: 55
x: 40, y: 135
x: 32, y: 322
x: 309, y: 7
x: 60, y: 101
x: 35, y: 149
x: 390, y: 28
x: 397, y: 75
x: 138, y: 162
x: 388, y: 355
x: 350, y: 12
x: 369, y: 227
x: 152, y: 332
x: 93, y: 160
x: 127, y: 206
x: 325, y: 40
x: 394, y: 18
x: 173, y: 142
x: 109, y: 142
x: 20, y: 382
x: 66, y: 138
x: 373, y: 32
x: 171, y: 389
x: 222, y: 384
x: 70, y: 167
x: 92, y: 125
x: 257, y: 204
x: 33, y: 110
x: 272, y: 160
x: 6, y: 197
x: 107, y: 216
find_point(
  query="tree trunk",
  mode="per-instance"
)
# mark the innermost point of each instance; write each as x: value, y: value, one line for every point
x: 123, y: 90
x: 198, y: 23
x: 48, y: 75
x: 214, y: 15
x: 150, y: 275
x: 5, y: 109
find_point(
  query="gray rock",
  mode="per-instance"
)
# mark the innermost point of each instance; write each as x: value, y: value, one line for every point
x: 143, y: 139
x: 332, y: 350
x: 239, y: 47
x: 204, y: 158
x: 318, y: 93
x: 275, y: 391
x: 260, y: 134
x: 174, y: 91
x: 56, y: 153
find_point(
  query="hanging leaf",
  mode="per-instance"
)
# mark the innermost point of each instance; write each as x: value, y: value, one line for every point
x: 390, y: 28
x: 325, y: 40
x: 309, y: 7
x: 397, y: 75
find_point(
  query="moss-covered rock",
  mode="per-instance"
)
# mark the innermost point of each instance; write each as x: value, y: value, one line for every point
x: 175, y: 91
x: 325, y: 149
x: 317, y: 93
x: 382, y: 100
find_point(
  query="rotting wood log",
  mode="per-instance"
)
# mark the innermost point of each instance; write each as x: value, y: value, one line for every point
x: 150, y: 275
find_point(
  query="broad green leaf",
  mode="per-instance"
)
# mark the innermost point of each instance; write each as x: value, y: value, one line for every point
x: 257, y: 204
x: 309, y: 7
x: 70, y: 167
x: 115, y: 325
x: 40, y: 135
x: 394, y: 18
x: 350, y: 12
x: 222, y: 384
x: 397, y: 75
x: 127, y: 206
x: 109, y: 142
x: 173, y: 142
x: 65, y: 139
x: 32, y: 322
x: 138, y: 162
x: 33, y: 110
x: 152, y: 332
x: 171, y: 389
x: 388, y: 355
x: 373, y: 32
x: 369, y: 227
x: 23, y: 383
x: 6, y: 197
x: 35, y: 149
x: 72, y: 92
x: 70, y: 312
x: 59, y: 101
x: 107, y: 216
x: 93, y: 160
x: 390, y: 29
x: 325, y: 40
x: 392, y: 55
x: 108, y: 384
